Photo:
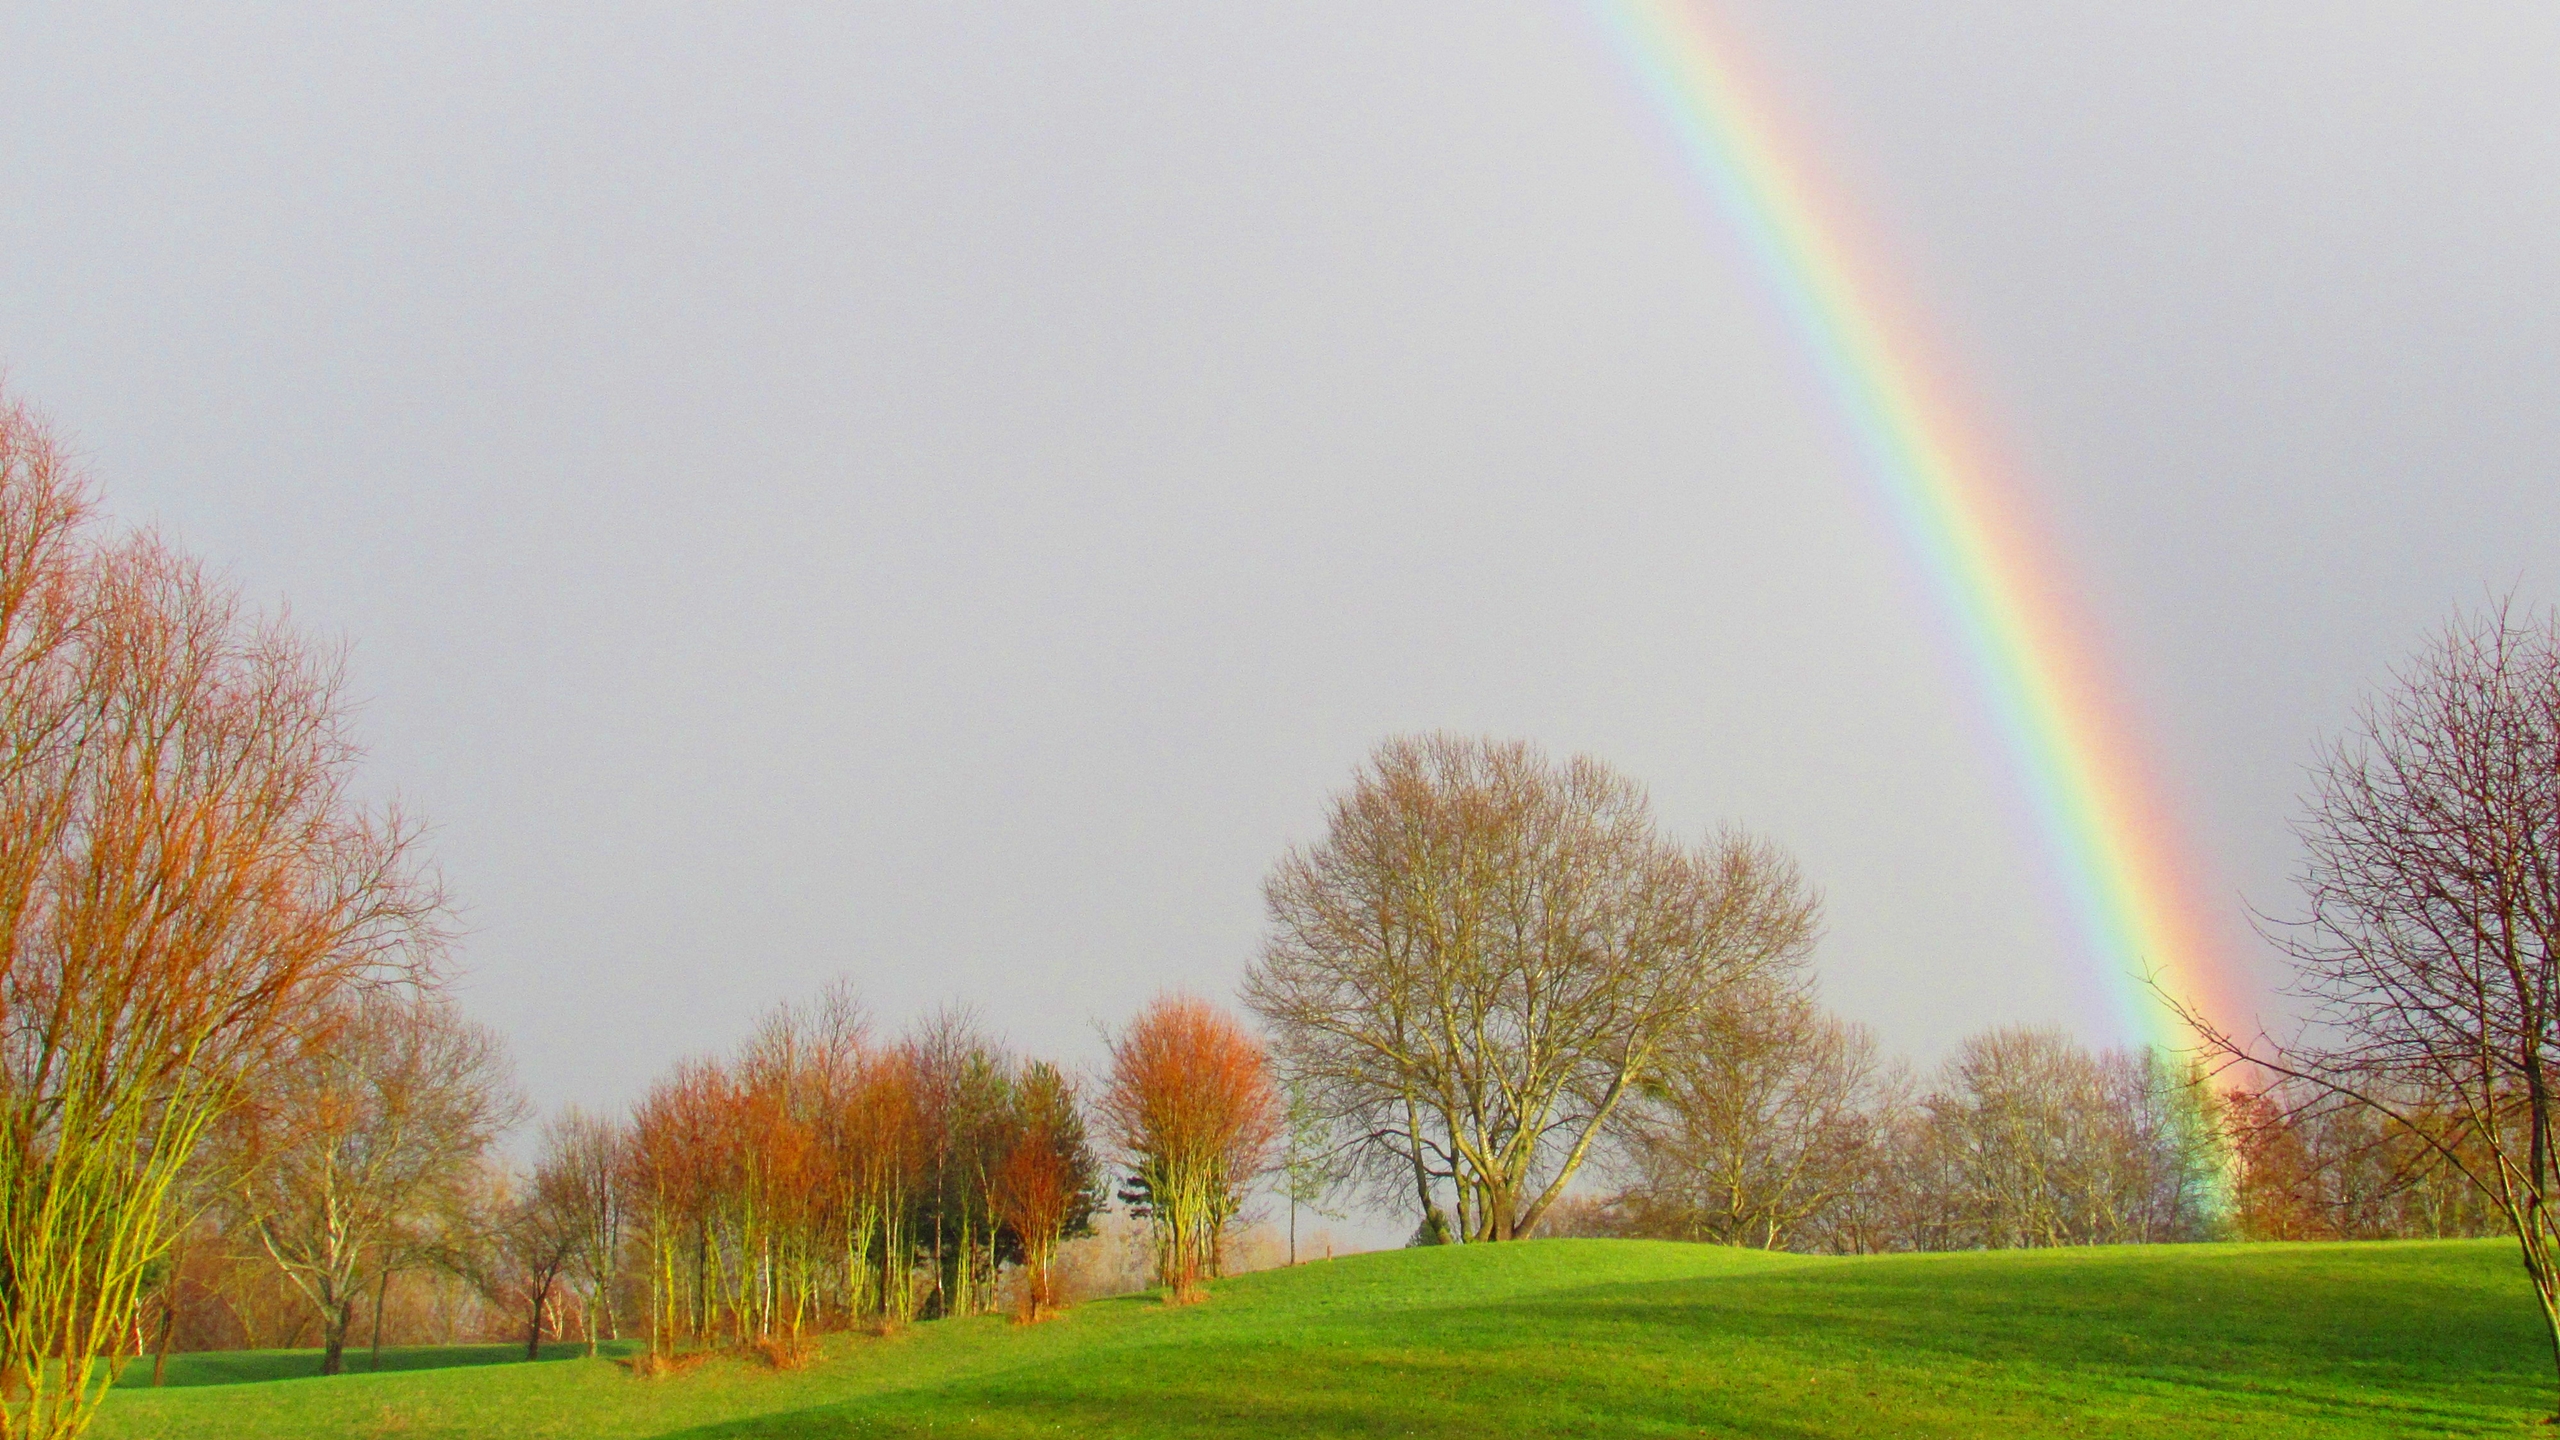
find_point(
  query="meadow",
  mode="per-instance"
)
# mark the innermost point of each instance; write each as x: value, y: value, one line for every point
x: 1558, y: 1338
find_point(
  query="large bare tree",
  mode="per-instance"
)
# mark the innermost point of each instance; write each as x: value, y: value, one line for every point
x: 1488, y: 948
x: 186, y: 880
x: 2426, y: 951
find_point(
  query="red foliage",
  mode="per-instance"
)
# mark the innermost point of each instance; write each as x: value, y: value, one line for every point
x: 1192, y: 1105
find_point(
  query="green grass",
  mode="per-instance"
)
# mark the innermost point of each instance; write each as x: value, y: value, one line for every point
x: 1578, y: 1338
x: 239, y: 1367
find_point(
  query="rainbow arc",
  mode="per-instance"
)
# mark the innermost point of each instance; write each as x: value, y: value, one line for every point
x: 2114, y: 846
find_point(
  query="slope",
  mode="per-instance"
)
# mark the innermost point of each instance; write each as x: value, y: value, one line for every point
x: 1580, y: 1338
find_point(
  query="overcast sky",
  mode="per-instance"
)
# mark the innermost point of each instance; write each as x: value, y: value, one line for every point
x: 939, y: 493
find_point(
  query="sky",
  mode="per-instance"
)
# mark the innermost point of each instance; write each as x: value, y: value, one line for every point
x: 939, y: 495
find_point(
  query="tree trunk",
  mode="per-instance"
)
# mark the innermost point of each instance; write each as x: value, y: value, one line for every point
x: 381, y: 1288
x: 533, y: 1323
x: 168, y: 1329
x: 1421, y: 1175
x: 333, y: 1324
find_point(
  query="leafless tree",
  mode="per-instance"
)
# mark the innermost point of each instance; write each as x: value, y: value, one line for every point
x: 1312, y: 1164
x: 2426, y: 949
x: 576, y: 1179
x: 1882, y: 1206
x: 1770, y: 1123
x: 1488, y: 949
x: 2312, y: 1165
x: 2028, y: 1139
x: 185, y: 883
x: 1759, y: 1120
x: 519, y: 1245
x: 359, y: 1150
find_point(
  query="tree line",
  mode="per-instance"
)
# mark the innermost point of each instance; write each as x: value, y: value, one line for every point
x: 1509, y: 1004
x: 819, y: 1178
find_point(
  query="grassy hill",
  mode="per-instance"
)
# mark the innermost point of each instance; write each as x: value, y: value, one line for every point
x: 1577, y: 1338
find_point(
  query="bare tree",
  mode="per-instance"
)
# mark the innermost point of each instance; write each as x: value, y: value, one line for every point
x: 1759, y: 1120
x: 2427, y: 949
x: 1881, y: 1206
x: 576, y: 1180
x: 365, y: 1141
x: 2028, y: 1139
x: 1312, y: 1162
x: 1488, y: 949
x: 2312, y: 1165
x: 521, y: 1243
x: 185, y: 880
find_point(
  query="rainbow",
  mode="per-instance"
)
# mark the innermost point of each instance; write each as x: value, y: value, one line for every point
x: 2121, y: 861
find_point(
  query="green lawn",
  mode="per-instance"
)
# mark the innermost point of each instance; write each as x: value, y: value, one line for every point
x: 236, y: 1367
x: 1578, y: 1338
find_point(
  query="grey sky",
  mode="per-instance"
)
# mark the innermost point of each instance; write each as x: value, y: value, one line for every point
x: 941, y: 492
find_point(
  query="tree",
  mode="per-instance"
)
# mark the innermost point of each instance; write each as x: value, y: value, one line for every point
x: 1048, y: 1187
x: 1486, y: 953
x: 576, y: 1180
x: 1191, y: 1106
x: 775, y: 1185
x: 185, y: 881
x: 817, y: 1178
x: 2429, y: 949
x: 963, y: 1094
x: 671, y: 1178
x: 876, y: 1144
x: 1756, y: 1123
x: 525, y: 1244
x: 1311, y: 1166
x: 2028, y: 1139
x: 2311, y: 1165
x: 364, y: 1143
x: 1769, y: 1123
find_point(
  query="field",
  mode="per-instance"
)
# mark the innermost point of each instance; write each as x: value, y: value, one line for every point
x: 1563, y: 1338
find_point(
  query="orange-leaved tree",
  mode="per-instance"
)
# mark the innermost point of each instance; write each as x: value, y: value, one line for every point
x: 671, y: 1178
x: 1045, y: 1188
x: 876, y: 1156
x: 187, y: 883
x: 1191, y: 1106
x: 774, y: 1193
